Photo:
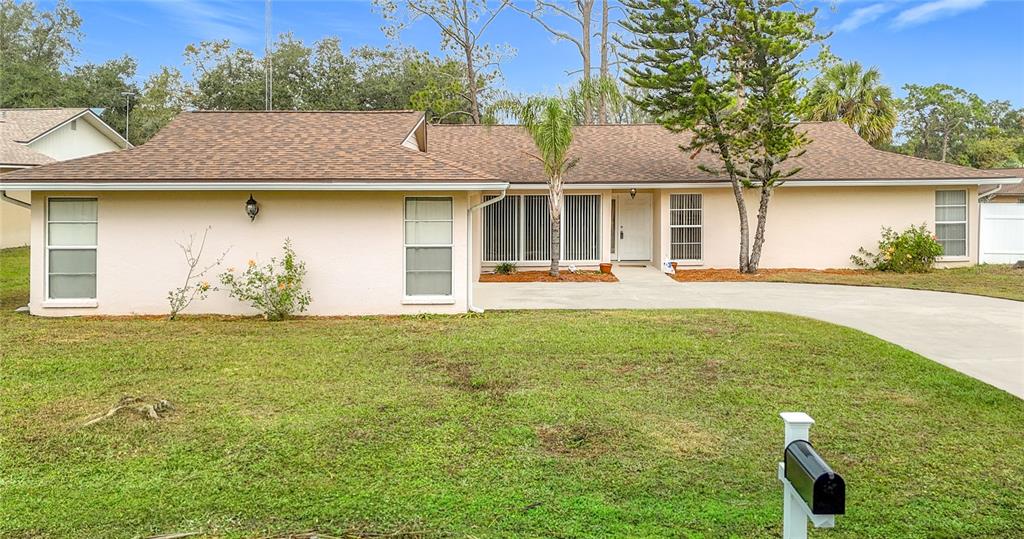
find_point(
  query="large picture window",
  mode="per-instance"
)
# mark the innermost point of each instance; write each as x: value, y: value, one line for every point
x: 951, y: 222
x: 518, y: 229
x: 686, y: 227
x: 428, y: 246
x: 71, y: 248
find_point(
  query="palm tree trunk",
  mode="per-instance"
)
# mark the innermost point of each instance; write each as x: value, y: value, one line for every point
x: 555, y: 210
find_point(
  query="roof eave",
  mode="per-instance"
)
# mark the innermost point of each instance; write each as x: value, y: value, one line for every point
x: 388, y: 185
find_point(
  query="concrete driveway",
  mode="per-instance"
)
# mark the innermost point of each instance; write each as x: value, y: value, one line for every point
x: 978, y: 336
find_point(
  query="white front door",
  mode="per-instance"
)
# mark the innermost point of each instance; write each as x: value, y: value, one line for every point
x: 633, y: 223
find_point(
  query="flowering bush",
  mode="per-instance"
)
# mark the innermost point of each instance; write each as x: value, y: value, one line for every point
x: 274, y: 288
x: 912, y: 251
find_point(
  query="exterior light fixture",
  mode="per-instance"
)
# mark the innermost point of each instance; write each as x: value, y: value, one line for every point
x: 632, y: 193
x: 252, y: 208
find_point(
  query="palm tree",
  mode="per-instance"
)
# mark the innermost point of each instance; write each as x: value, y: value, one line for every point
x: 848, y: 93
x: 550, y: 124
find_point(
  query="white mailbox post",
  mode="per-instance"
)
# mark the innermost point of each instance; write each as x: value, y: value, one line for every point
x: 818, y: 483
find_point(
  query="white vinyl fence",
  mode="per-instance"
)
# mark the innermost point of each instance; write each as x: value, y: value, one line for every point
x: 1002, y: 233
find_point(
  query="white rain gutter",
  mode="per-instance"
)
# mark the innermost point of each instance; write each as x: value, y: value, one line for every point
x: 16, y: 202
x: 294, y: 185
x: 469, y: 248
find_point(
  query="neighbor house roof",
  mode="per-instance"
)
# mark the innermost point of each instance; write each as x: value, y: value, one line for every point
x: 1011, y: 189
x: 20, y: 127
x: 222, y: 149
x: 626, y: 154
x: 269, y: 146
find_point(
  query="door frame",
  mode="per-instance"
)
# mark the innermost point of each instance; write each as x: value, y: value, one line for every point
x: 624, y: 198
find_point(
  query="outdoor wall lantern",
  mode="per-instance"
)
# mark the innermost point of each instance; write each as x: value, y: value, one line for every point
x: 252, y: 208
x: 632, y: 193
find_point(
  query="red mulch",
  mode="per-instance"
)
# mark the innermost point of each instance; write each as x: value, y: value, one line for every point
x: 700, y: 275
x: 545, y: 277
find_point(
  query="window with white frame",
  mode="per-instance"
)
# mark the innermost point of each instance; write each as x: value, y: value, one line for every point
x: 686, y: 227
x: 71, y: 248
x: 951, y: 222
x: 428, y: 246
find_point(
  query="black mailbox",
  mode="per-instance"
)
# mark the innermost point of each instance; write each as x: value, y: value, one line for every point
x: 823, y: 490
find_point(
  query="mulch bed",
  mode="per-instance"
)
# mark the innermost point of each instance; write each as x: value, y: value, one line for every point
x: 706, y: 275
x: 545, y: 277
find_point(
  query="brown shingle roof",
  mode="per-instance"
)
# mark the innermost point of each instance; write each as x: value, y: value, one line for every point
x: 1013, y: 189
x: 19, y: 126
x: 367, y: 146
x: 268, y: 146
x: 650, y: 153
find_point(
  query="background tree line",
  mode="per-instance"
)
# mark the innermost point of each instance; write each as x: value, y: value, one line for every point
x: 38, y: 68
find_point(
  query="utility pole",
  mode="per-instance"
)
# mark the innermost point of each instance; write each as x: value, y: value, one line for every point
x: 127, y: 103
x: 268, y: 76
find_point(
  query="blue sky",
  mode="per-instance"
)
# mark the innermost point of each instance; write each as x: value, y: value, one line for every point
x: 975, y: 44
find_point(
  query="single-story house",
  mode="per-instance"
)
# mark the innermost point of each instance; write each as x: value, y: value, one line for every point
x: 33, y: 137
x: 1012, y: 193
x: 393, y: 215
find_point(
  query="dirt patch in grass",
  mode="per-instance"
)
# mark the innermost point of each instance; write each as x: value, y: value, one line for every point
x: 715, y: 275
x: 468, y: 378
x: 572, y: 440
x: 545, y: 277
x: 681, y: 437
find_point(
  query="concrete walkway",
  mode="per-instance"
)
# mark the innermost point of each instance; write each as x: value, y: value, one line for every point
x: 978, y: 336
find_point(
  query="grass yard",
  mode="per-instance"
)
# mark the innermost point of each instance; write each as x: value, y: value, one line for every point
x: 561, y: 424
x: 995, y: 280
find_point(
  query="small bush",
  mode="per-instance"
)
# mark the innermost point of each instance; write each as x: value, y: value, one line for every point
x: 506, y: 268
x: 275, y: 288
x: 912, y: 251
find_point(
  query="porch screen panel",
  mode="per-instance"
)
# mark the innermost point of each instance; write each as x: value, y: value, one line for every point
x: 501, y: 230
x: 686, y: 227
x: 537, y: 228
x: 581, y: 227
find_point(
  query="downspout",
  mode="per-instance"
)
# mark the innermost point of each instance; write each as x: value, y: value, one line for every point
x: 469, y: 248
x: 16, y: 202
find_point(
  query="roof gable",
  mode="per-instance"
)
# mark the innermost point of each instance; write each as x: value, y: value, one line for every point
x: 20, y: 128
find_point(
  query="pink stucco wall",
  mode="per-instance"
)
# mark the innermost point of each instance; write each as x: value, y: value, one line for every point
x: 352, y: 244
x: 818, y: 227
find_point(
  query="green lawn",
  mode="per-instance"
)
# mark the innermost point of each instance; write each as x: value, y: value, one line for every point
x: 996, y: 280
x: 567, y: 424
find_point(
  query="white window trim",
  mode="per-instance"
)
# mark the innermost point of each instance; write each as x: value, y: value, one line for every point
x: 62, y: 303
x: 966, y: 222
x: 427, y: 299
x: 686, y: 261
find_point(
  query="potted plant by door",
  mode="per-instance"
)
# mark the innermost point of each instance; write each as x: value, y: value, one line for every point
x: 606, y: 267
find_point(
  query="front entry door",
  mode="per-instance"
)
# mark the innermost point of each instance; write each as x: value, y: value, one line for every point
x: 633, y: 220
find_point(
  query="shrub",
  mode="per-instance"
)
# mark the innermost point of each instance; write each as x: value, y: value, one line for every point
x: 275, y: 289
x: 195, y: 287
x: 912, y: 251
x: 506, y: 268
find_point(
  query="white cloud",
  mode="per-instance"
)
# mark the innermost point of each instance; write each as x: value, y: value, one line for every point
x: 934, y: 9
x: 213, y: 19
x: 862, y: 16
